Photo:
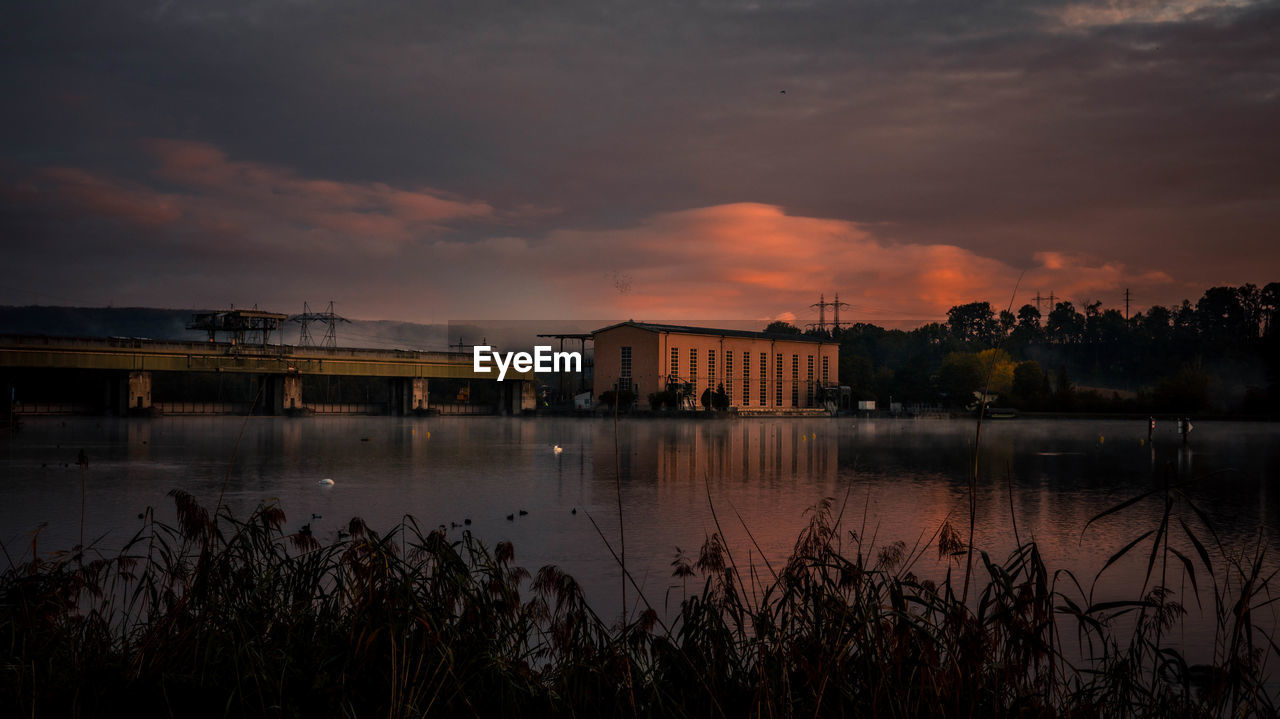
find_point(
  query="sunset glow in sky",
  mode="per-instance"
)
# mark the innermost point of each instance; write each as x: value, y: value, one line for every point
x: 428, y: 160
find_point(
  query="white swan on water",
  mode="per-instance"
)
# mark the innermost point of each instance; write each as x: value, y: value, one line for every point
x: 558, y: 449
x: 326, y: 482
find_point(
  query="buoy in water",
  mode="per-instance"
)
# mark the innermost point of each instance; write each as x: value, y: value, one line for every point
x: 326, y: 482
x: 557, y: 449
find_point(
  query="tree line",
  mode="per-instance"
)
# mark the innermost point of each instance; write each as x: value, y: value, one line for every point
x: 1221, y: 354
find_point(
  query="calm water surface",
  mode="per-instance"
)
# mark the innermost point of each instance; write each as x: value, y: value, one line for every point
x: 898, y: 480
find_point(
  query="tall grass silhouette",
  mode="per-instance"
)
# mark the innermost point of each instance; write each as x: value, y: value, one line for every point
x: 216, y: 616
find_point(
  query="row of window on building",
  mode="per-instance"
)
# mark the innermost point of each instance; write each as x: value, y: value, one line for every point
x: 731, y: 381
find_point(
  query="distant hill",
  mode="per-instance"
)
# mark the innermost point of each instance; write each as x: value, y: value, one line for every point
x: 163, y: 324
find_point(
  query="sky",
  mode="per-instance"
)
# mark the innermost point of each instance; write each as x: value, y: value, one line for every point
x: 431, y: 160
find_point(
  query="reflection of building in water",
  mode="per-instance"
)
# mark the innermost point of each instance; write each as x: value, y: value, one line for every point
x: 760, y: 372
x: 681, y: 457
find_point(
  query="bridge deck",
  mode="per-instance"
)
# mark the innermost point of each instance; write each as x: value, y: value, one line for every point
x: 133, y: 354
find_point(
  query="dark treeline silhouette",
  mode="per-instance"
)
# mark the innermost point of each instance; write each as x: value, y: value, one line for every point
x: 1220, y: 354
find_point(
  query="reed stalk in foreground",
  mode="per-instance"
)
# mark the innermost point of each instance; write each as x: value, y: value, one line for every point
x: 217, y: 616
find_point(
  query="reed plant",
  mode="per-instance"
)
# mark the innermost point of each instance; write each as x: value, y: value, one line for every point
x: 219, y: 616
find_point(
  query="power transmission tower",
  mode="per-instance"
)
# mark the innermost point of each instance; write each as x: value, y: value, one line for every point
x: 331, y: 320
x: 304, y: 331
x: 822, y: 311
x: 1127, y: 296
x: 822, y: 306
x: 837, y: 304
x: 328, y: 317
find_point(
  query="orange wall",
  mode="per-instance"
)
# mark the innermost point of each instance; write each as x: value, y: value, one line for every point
x: 645, y: 371
x: 651, y: 365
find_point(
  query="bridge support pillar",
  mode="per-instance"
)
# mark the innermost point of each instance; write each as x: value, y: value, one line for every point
x: 406, y: 395
x: 291, y: 393
x: 419, y: 394
x: 281, y: 394
x: 139, y: 395
x: 528, y: 396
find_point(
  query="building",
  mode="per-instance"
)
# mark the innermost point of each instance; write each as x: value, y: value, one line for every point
x: 761, y: 372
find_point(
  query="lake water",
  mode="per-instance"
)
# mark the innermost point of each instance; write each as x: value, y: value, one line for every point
x: 898, y: 480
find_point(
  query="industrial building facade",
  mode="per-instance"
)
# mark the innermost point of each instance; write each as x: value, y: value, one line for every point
x: 759, y: 371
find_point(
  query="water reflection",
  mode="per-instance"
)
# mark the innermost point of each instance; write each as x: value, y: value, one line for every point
x: 678, y: 481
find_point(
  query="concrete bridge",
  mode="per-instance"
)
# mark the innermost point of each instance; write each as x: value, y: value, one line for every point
x: 127, y: 365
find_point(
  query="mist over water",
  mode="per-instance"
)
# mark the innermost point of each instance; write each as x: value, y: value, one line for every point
x: 680, y: 481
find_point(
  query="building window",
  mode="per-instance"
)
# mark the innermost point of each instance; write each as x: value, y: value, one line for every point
x: 746, y: 379
x: 729, y: 374
x: 693, y: 369
x: 764, y: 379
x: 826, y: 371
x: 808, y: 395
x: 777, y: 391
x: 675, y: 365
x: 625, y: 373
x: 795, y: 380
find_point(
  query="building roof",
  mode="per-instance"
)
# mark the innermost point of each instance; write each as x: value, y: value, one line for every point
x: 714, y: 332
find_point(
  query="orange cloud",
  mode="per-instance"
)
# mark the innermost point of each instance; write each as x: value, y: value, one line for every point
x: 262, y: 206
x: 754, y: 260
x: 89, y: 194
x: 731, y: 261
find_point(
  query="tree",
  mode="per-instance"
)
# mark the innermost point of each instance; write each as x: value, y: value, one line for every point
x: 1157, y: 324
x: 1007, y: 322
x: 1064, y: 386
x: 1092, y: 314
x: 1185, y: 325
x: 624, y: 399
x: 1027, y: 329
x: 911, y: 381
x: 1186, y: 391
x: 1269, y: 307
x: 960, y: 375
x: 1065, y: 325
x: 720, y: 400
x: 973, y: 323
x: 1221, y: 317
x: 1027, y: 379
x: 857, y: 372
x: 997, y: 370
x: 781, y: 327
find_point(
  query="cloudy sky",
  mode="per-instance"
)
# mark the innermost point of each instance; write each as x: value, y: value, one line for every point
x: 430, y: 160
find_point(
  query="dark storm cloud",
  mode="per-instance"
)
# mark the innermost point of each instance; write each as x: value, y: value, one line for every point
x: 1131, y: 132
